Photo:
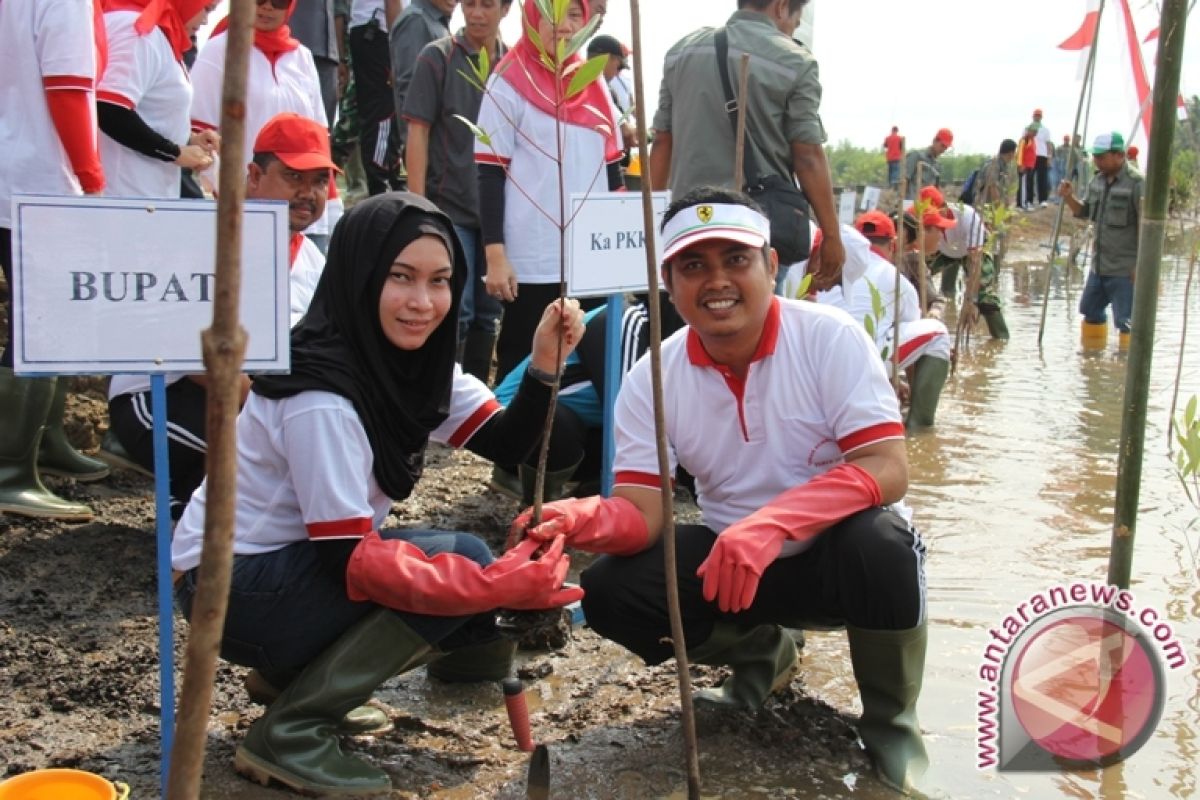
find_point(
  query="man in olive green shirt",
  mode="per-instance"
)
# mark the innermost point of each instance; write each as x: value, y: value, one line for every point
x: 693, y: 139
x: 930, y: 174
x: 1114, y: 205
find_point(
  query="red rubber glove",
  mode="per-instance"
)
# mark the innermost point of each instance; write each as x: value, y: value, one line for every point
x: 397, y: 574
x: 74, y: 119
x: 596, y: 524
x: 746, y: 548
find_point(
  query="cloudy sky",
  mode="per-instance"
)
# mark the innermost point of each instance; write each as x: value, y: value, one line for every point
x: 978, y: 67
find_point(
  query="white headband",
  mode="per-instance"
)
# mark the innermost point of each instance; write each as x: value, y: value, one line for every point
x: 728, y: 221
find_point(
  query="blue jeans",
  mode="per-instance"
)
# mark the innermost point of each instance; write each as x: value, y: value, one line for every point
x: 477, y: 310
x: 1102, y: 290
x: 893, y: 174
x: 287, y: 606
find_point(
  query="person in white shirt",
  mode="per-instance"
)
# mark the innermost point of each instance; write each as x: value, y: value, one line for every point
x: 291, y: 162
x: 519, y: 185
x: 783, y: 413
x: 1044, y: 143
x: 144, y: 95
x: 320, y: 589
x: 53, y: 52
x: 282, y: 76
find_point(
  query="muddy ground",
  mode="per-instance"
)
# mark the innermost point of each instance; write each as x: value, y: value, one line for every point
x: 79, y: 673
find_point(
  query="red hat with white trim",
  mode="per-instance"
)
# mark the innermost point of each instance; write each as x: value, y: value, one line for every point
x: 731, y: 222
x: 944, y: 136
x: 299, y: 142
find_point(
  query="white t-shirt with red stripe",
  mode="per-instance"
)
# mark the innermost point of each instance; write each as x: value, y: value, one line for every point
x: 142, y: 74
x: 530, y: 238
x: 967, y: 234
x: 46, y: 45
x: 815, y: 392
x: 306, y: 273
x: 305, y: 470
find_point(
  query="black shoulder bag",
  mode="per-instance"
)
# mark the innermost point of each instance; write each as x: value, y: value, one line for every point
x: 785, y: 205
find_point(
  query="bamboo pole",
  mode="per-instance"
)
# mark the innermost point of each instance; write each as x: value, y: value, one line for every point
x: 921, y: 282
x: 224, y: 346
x: 1145, y: 297
x: 739, y: 153
x: 679, y: 643
x: 898, y: 262
x: 1058, y: 216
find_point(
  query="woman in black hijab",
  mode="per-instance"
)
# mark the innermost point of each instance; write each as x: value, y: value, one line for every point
x: 322, y: 601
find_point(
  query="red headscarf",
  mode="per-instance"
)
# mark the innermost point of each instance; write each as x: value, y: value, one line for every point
x: 169, y: 16
x: 523, y: 68
x: 271, y: 44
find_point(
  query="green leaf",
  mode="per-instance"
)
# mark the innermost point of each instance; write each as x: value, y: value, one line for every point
x: 584, y: 73
x: 545, y: 8
x: 805, y: 283
x: 536, y: 40
x: 869, y: 324
x: 560, y: 10
x: 484, y: 68
x: 477, y: 131
x: 585, y: 34
x: 883, y: 354
x: 1189, y: 413
x: 472, y: 79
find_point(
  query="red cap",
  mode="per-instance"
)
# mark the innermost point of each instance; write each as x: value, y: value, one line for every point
x: 944, y: 136
x: 933, y: 195
x: 933, y: 217
x: 875, y: 225
x: 299, y: 142
x: 1132, y: 151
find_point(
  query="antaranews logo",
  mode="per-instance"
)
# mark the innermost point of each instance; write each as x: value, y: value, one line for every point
x: 1073, y: 679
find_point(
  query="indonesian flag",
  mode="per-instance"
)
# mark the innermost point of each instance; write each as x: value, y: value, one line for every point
x: 1083, y: 38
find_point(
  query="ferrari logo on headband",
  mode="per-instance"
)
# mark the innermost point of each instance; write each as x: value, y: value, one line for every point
x: 705, y: 213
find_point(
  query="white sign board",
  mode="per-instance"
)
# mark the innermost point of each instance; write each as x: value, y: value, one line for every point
x: 122, y: 285
x: 607, y: 243
x: 870, y: 198
x: 846, y: 202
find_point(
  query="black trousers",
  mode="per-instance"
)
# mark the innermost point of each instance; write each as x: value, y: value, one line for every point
x: 521, y: 318
x: 6, y: 359
x: 1042, y: 170
x: 867, y: 571
x: 187, y: 448
x: 378, y: 145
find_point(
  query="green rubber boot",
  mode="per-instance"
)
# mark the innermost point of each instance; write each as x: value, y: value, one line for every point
x: 296, y: 741
x: 506, y: 482
x: 763, y: 659
x: 555, y: 487
x: 889, y: 666
x: 994, y: 318
x: 490, y: 661
x: 928, y: 379
x: 24, y: 403
x: 56, y: 455
x: 950, y: 281
x: 263, y: 688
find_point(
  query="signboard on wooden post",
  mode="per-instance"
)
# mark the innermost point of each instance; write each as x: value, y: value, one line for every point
x: 607, y: 243
x: 115, y: 285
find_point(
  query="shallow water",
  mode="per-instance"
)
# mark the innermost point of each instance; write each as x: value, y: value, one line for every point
x: 1013, y: 492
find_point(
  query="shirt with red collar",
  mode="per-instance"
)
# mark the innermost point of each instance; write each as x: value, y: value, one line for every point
x: 815, y: 391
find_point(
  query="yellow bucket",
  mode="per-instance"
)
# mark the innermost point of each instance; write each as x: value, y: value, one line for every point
x: 61, y: 784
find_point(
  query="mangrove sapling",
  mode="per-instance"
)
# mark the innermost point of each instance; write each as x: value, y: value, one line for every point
x: 581, y: 74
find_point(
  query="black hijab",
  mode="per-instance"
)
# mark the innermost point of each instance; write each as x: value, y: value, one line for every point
x: 339, y: 346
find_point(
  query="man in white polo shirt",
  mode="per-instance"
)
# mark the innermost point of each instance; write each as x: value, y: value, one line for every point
x: 783, y: 413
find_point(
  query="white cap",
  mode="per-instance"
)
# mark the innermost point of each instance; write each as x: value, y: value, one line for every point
x: 726, y: 221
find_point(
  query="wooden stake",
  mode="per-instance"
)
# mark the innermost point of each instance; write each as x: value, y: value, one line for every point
x: 739, y: 153
x: 687, y: 713
x: 921, y: 281
x: 898, y: 261
x: 1145, y: 294
x: 224, y: 347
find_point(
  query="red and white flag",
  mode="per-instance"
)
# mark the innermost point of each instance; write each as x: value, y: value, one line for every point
x: 1083, y: 39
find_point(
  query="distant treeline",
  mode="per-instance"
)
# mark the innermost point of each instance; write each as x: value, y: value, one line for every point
x: 854, y: 166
